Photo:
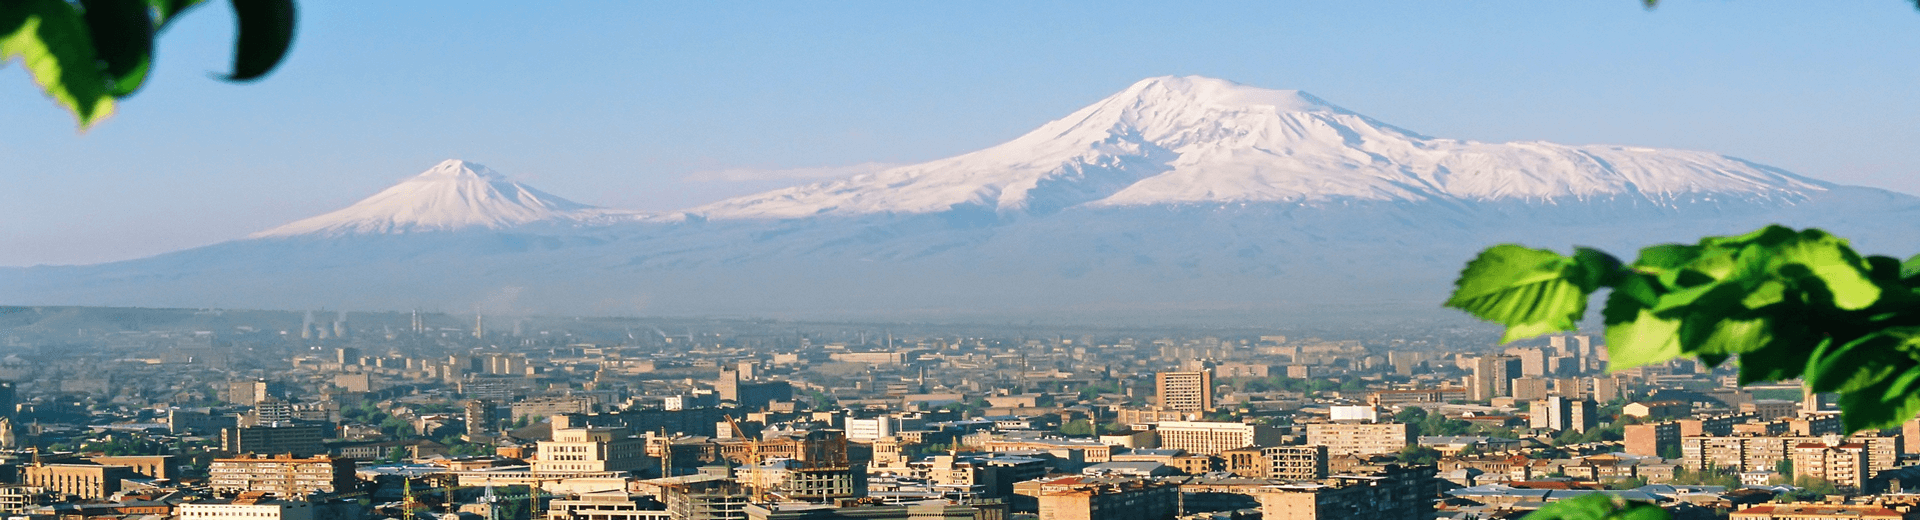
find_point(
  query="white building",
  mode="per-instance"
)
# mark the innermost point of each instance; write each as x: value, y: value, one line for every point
x: 1211, y: 438
x: 870, y: 430
x: 246, y: 509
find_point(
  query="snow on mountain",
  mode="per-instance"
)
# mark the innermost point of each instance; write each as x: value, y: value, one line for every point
x: 453, y: 195
x: 1179, y: 140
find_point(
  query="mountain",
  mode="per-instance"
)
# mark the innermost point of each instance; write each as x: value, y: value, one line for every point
x: 1194, y: 140
x: 1178, y: 200
x: 453, y: 195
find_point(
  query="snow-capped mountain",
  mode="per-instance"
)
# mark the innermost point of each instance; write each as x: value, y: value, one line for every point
x: 1176, y: 200
x: 1186, y: 140
x: 453, y: 195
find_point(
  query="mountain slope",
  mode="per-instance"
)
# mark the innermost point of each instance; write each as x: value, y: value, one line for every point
x: 1185, y: 140
x: 453, y: 195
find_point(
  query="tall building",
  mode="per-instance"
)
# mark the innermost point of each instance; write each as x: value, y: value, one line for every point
x: 482, y: 416
x: 1845, y: 464
x: 1185, y: 391
x: 1529, y: 388
x: 1533, y: 361
x: 282, y: 475
x: 1493, y: 376
x: 751, y: 395
x: 1562, y: 414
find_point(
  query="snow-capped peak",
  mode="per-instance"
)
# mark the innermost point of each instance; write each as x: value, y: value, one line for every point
x: 1182, y: 140
x: 452, y: 195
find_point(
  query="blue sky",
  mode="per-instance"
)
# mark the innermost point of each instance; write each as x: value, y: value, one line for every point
x: 640, y: 104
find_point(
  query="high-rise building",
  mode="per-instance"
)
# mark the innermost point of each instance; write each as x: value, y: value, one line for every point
x: 482, y: 416
x: 1562, y: 414
x: 347, y: 356
x: 296, y: 439
x: 1653, y: 439
x: 1529, y: 388
x: 1185, y: 391
x: 1493, y: 376
x: 1533, y: 361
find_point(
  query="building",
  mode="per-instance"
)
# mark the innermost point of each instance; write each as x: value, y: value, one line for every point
x: 1213, y: 438
x: 1658, y: 409
x: 1185, y: 391
x: 1842, y: 463
x: 251, y: 392
x: 538, y: 407
x: 200, y: 421
x: 1093, y: 498
x: 603, y: 505
x: 282, y: 475
x: 751, y: 395
x: 1359, y: 438
x: 1446, y: 394
x: 870, y: 430
x: 148, y: 466
x: 1764, y: 453
x: 703, y: 497
x: 1529, y: 388
x: 1822, y: 511
x: 482, y: 416
x: 1493, y: 376
x: 1562, y: 414
x: 297, y: 439
x: 1297, y: 463
x: 1391, y: 493
x: 87, y: 481
x: 591, y: 450
x: 1770, y: 409
x: 250, y: 507
x: 1653, y: 440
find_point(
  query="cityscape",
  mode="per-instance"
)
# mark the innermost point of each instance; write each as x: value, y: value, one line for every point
x: 324, y: 414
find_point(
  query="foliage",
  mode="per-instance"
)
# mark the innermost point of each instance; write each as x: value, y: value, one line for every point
x: 1788, y: 303
x: 1077, y: 427
x: 1709, y: 476
x: 1599, y: 506
x: 1417, y: 454
x: 87, y: 53
x: 114, y: 447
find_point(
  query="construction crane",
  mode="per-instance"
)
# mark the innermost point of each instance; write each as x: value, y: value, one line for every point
x: 753, y: 461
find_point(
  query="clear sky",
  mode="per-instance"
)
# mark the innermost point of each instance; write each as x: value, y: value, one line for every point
x: 662, y: 106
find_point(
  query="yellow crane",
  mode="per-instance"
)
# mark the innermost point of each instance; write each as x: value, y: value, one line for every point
x: 753, y: 461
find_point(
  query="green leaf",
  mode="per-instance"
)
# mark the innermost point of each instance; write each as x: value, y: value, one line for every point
x: 1530, y: 291
x: 1639, y: 338
x: 1666, y: 256
x: 51, y: 39
x: 122, y: 35
x: 266, y: 32
x: 1858, y: 364
x: 1598, y: 506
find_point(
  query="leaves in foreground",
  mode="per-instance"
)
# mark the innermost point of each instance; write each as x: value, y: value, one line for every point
x: 1787, y: 304
x: 1599, y: 506
x: 87, y: 54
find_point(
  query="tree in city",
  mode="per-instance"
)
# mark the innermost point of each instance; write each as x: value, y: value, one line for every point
x: 86, y: 54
